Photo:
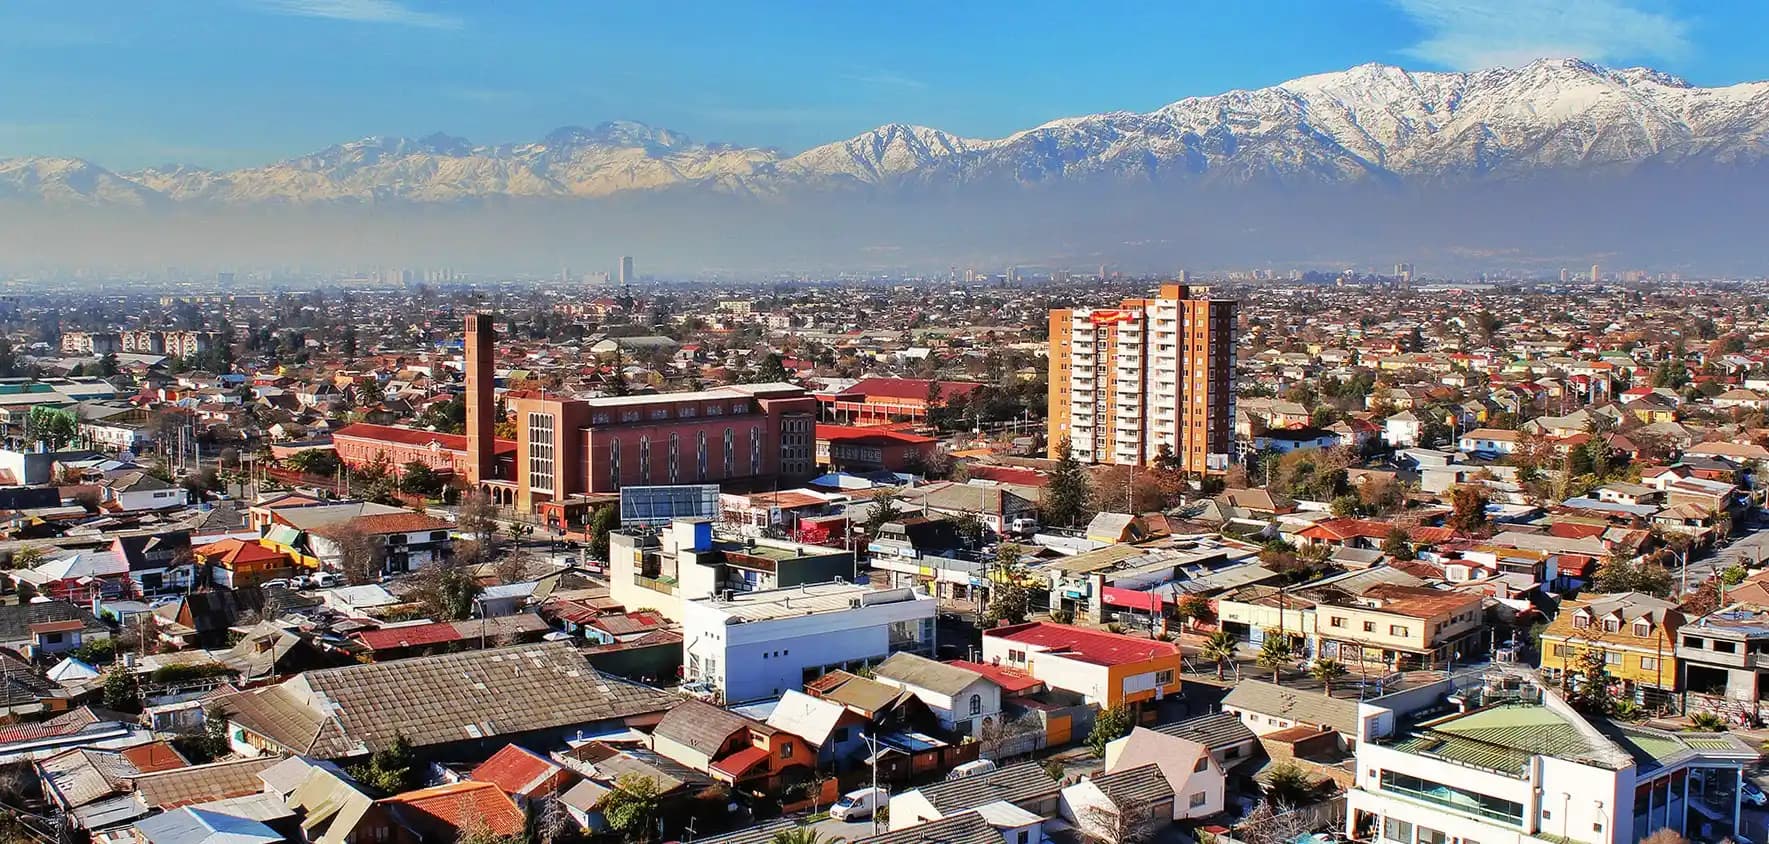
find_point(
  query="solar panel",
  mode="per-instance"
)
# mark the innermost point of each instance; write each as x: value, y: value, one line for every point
x: 659, y: 505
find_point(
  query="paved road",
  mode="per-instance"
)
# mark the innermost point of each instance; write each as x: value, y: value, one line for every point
x: 829, y: 829
x: 1749, y: 550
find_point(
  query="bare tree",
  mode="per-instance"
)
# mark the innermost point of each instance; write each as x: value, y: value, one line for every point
x: 360, y: 554
x: 1001, y: 733
x: 478, y: 517
x: 512, y: 568
x: 1273, y: 823
x: 1110, y: 824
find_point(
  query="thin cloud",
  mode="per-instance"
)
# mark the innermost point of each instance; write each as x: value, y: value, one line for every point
x: 1473, y: 34
x: 361, y: 11
x: 885, y: 79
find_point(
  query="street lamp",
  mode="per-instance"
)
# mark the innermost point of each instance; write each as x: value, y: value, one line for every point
x: 872, y: 745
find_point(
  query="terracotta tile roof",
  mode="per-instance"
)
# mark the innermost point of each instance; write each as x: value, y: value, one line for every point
x: 1011, y: 680
x: 384, y: 523
x: 456, y: 806
x: 410, y: 437
x: 520, y: 771
x: 230, y: 552
x: 910, y: 388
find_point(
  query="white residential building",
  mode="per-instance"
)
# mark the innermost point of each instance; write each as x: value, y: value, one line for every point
x: 761, y: 644
x: 963, y: 700
x: 1523, y: 766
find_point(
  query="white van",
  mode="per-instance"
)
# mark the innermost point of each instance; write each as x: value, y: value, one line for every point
x: 859, y: 804
x: 972, y: 769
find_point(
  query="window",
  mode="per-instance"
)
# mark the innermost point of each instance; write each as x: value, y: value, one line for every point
x: 730, y: 463
x: 755, y: 450
x: 1611, y: 625
x: 540, y: 451
x: 1648, y: 663
x: 614, y: 462
x: 1427, y: 835
x: 1580, y: 622
x: 645, y: 459
x: 1397, y: 630
x: 1197, y: 799
x: 700, y: 456
x: 1336, y: 621
x: 1642, y: 628
x: 1203, y: 763
x: 976, y: 704
x: 1560, y: 650
x: 785, y: 749
x: 1164, y: 678
x: 1369, y: 627
x: 1397, y: 830
x: 675, y: 449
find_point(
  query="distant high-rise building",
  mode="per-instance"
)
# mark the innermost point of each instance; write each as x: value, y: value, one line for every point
x: 224, y: 280
x: 626, y: 270
x: 1185, y: 277
x: 1127, y: 381
x: 1565, y: 275
x: 1596, y: 273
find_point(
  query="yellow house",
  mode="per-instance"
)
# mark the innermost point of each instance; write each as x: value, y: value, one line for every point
x: 1636, y: 633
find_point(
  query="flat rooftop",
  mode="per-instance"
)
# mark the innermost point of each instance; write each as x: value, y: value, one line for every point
x: 809, y: 599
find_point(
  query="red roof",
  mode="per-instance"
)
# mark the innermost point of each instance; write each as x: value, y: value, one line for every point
x: 518, y: 770
x: 1006, y: 475
x: 1011, y: 680
x: 410, y: 437
x: 1575, y: 530
x: 848, y: 433
x: 461, y: 804
x: 741, y: 762
x: 410, y: 636
x: 910, y: 388
x: 231, y: 552
x: 154, y: 756
x: 1085, y: 644
x: 1343, y: 529
x: 1132, y: 598
x: 385, y: 523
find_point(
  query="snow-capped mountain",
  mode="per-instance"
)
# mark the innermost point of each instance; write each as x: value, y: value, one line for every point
x: 1372, y: 123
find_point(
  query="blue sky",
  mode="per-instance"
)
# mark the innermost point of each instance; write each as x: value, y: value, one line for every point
x: 227, y: 83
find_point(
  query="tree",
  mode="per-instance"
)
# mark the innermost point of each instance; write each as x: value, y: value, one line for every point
x: 771, y: 370
x: 319, y: 462
x: 391, y: 769
x: 1467, y: 508
x: 360, y: 554
x: 971, y: 527
x: 52, y: 425
x: 1275, y: 653
x: 1000, y: 732
x: 1130, y: 823
x: 478, y: 517
x: 1398, y: 544
x: 120, y: 692
x: 1327, y: 671
x: 605, y: 521
x: 446, y: 592
x: 1220, y: 648
x: 804, y: 835
x: 1273, y: 823
x: 1068, y: 495
x: 1287, y: 784
x: 1621, y: 571
x: 1008, y: 599
x: 882, y: 511
x: 1707, y: 722
x: 630, y: 808
x: 1587, y: 683
x: 417, y: 478
x: 1108, y: 726
x: 1665, y: 836
x: 1195, y: 608
x: 215, y: 732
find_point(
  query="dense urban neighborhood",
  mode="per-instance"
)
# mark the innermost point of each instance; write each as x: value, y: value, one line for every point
x: 987, y: 558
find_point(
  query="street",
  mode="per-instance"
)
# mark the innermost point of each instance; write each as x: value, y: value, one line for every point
x: 1747, y: 550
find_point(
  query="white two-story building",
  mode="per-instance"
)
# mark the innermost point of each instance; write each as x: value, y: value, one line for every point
x: 753, y: 645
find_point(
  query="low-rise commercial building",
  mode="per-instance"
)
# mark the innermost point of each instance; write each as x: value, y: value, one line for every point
x: 751, y: 645
x: 1106, y: 669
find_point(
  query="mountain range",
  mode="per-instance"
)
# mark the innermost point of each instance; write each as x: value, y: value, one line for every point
x: 1373, y: 122
x: 1444, y: 160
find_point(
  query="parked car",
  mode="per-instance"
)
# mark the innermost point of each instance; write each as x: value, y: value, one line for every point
x: 1754, y: 795
x: 973, y: 768
x: 859, y: 804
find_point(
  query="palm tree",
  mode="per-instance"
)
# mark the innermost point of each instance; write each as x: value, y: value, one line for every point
x: 1707, y: 722
x: 1327, y: 671
x: 1275, y: 653
x: 804, y: 835
x: 1220, y: 648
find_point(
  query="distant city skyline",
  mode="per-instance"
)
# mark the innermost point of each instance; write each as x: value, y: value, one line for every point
x: 235, y: 83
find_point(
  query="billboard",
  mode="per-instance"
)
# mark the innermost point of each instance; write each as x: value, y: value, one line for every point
x: 659, y: 505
